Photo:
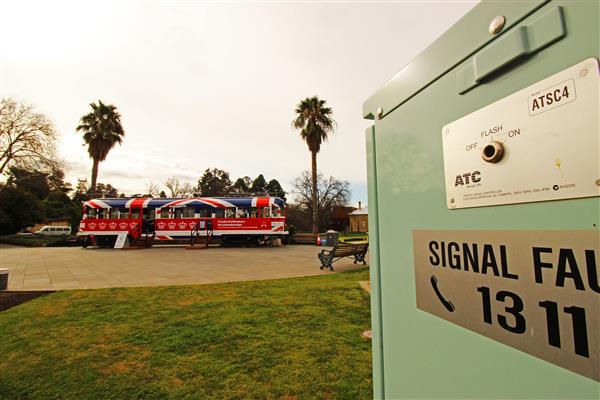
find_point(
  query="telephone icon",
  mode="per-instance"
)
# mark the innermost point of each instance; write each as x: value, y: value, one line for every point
x: 448, y: 304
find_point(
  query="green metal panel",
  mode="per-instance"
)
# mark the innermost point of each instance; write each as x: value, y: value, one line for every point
x: 520, y: 42
x: 374, y: 262
x: 415, y: 354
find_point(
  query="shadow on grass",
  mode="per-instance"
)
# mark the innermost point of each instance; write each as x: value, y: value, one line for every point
x: 13, y: 299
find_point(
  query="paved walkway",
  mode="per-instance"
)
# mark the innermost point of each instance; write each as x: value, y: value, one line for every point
x: 57, y: 268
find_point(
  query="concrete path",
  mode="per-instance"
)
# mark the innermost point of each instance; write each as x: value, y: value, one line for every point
x: 58, y: 268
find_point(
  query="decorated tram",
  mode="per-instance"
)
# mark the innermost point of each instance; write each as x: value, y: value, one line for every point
x: 230, y: 220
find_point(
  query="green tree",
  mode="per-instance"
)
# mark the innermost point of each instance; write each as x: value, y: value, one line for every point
x: 315, y: 122
x: 102, y: 130
x: 258, y: 185
x: 273, y: 188
x: 107, y: 190
x: 80, y: 195
x: 56, y: 180
x: 18, y: 209
x: 242, y: 185
x: 32, y: 182
x: 58, y: 205
x: 214, y: 182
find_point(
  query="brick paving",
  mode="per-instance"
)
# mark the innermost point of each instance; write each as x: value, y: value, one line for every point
x: 47, y: 268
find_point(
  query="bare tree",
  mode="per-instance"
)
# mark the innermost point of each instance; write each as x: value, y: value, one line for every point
x: 177, y: 188
x: 152, y: 189
x: 27, y: 138
x: 172, y: 184
x: 331, y: 192
x: 187, y: 190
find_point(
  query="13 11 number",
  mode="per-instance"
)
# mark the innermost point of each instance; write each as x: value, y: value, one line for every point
x: 514, y: 321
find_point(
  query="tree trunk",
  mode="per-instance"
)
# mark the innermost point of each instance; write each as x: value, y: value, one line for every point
x: 315, y: 210
x: 94, y: 176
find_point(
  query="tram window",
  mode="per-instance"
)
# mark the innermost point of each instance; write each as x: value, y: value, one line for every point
x: 219, y: 213
x: 243, y: 213
x: 266, y: 212
x: 253, y: 212
x: 164, y: 213
x: 115, y: 213
x: 276, y: 212
x: 230, y: 212
x: 91, y: 212
x: 188, y: 212
x: 179, y: 213
x: 149, y: 213
x: 135, y: 213
x: 204, y: 212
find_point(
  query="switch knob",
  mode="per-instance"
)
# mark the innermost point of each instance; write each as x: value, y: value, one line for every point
x: 492, y: 152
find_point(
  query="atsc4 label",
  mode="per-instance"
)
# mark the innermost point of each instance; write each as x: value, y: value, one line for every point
x: 553, y: 97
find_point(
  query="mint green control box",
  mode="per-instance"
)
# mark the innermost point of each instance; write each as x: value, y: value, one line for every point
x: 484, y: 200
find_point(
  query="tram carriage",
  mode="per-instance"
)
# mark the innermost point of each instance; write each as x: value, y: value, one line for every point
x: 234, y: 220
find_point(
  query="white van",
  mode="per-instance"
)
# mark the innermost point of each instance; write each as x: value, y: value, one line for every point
x: 50, y: 230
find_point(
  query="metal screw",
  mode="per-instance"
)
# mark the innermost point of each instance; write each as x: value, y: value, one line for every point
x: 452, y: 201
x: 583, y: 72
x: 597, y: 182
x: 497, y: 24
x: 379, y: 113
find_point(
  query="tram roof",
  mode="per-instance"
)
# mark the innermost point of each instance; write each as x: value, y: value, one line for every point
x: 202, y: 202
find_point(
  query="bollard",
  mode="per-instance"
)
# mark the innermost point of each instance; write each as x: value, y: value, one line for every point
x: 3, y: 278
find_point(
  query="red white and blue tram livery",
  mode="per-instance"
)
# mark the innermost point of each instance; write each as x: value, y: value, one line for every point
x: 234, y: 218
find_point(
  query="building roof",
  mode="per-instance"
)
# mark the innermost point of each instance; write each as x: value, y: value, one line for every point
x: 362, y: 211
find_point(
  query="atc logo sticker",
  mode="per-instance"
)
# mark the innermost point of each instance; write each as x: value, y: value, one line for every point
x: 467, y: 178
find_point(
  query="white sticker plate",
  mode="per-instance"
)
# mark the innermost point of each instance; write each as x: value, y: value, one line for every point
x: 550, y: 136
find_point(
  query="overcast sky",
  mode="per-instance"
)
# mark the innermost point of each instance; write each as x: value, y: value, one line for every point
x: 211, y: 84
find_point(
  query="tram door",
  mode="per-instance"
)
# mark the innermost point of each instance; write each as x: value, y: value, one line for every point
x: 148, y: 216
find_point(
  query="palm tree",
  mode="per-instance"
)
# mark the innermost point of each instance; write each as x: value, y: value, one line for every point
x: 315, y: 122
x: 102, y: 129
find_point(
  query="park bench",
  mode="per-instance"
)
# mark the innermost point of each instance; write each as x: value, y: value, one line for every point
x: 356, y: 251
x: 305, y: 238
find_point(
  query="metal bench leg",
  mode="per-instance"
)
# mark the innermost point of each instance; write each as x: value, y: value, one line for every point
x: 360, y: 258
x: 323, y: 261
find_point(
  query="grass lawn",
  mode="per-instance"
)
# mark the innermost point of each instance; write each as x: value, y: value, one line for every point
x: 281, y: 339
